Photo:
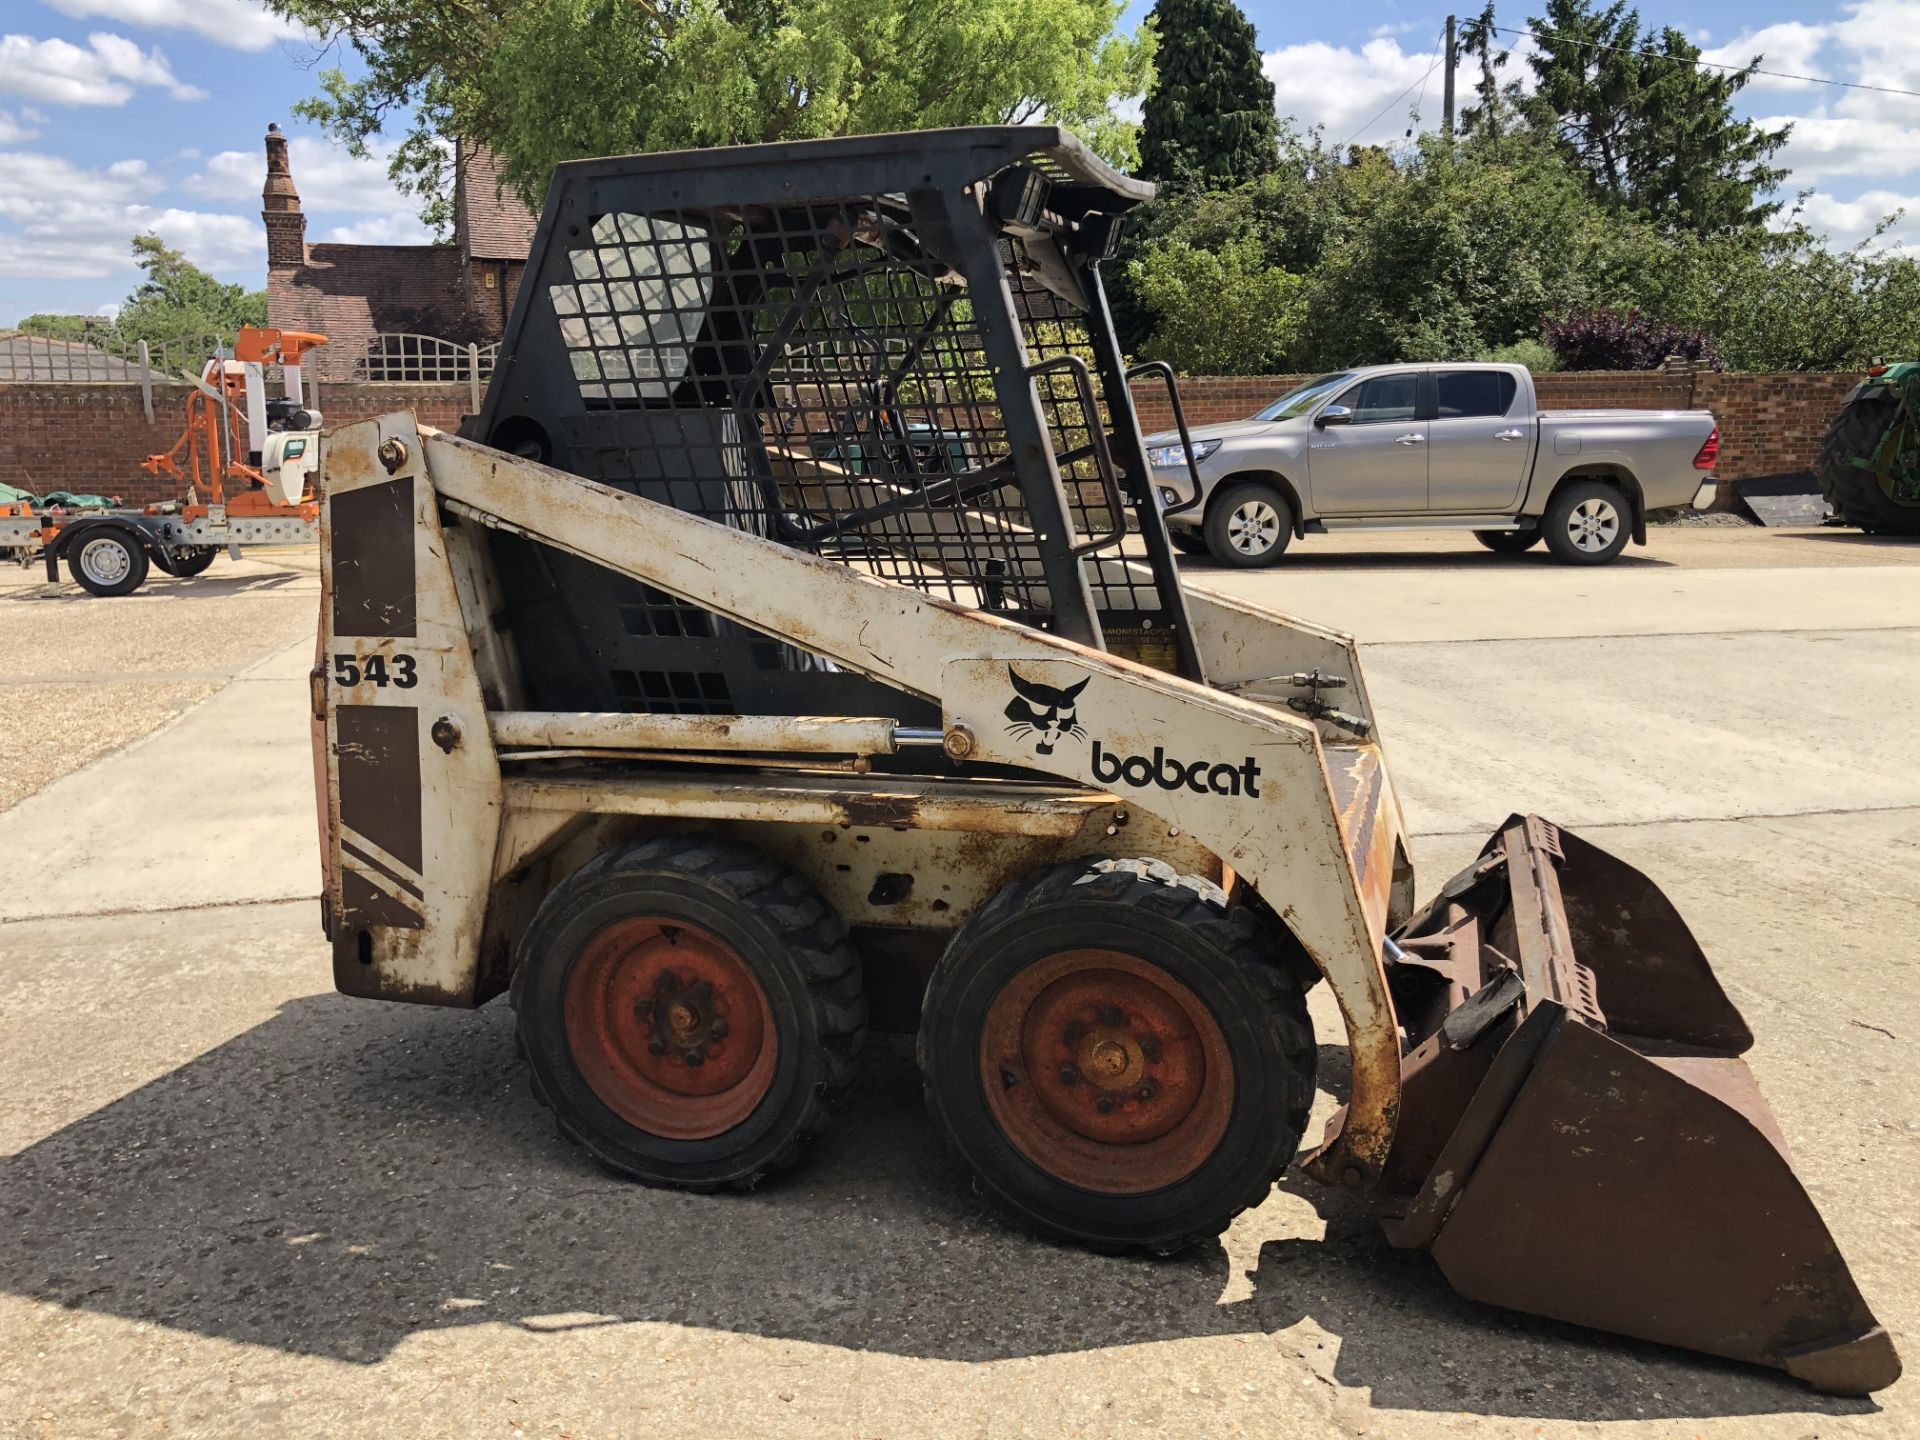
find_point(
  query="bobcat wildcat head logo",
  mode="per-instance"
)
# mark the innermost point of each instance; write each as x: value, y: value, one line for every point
x: 1042, y: 711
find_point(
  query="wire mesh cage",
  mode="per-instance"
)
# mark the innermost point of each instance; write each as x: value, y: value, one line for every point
x: 898, y: 379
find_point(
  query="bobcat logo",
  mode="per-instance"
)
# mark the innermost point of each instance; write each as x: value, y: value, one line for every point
x: 1043, y: 711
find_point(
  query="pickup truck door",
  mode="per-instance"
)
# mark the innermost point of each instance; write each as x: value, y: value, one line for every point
x: 1376, y: 464
x: 1479, y: 453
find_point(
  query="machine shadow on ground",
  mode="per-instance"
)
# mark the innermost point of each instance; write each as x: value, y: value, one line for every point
x: 163, y: 587
x: 346, y: 1175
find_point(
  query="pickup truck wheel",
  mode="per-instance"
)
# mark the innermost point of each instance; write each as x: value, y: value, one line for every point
x: 107, y: 562
x: 1111, y: 1049
x: 1249, y: 525
x: 1508, y: 542
x: 690, y: 1011
x: 1586, y: 523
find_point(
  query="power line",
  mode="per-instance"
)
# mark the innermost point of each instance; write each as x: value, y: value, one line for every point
x: 1699, y: 63
x: 1421, y: 83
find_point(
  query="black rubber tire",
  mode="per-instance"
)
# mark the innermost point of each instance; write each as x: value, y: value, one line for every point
x: 1221, y: 952
x: 131, y: 580
x: 787, y: 935
x: 1187, y: 542
x: 1220, y: 514
x: 1560, y: 513
x: 1508, y: 542
x: 192, y: 560
x: 1855, y: 494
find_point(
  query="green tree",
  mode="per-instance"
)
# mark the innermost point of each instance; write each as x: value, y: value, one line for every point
x: 1652, y: 129
x: 178, y: 299
x: 1494, y: 103
x: 541, y: 81
x: 1218, y: 312
x: 1209, y: 116
x: 68, y: 327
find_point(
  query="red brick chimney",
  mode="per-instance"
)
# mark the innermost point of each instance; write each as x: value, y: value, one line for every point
x: 280, y: 207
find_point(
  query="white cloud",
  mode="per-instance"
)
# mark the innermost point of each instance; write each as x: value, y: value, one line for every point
x: 105, y: 71
x: 1339, y: 88
x: 1847, y: 222
x: 12, y: 130
x: 328, y: 178
x: 398, y: 229
x: 1792, y: 47
x: 238, y: 24
x: 75, y: 223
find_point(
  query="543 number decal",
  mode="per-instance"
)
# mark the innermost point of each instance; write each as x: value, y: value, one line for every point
x: 352, y: 670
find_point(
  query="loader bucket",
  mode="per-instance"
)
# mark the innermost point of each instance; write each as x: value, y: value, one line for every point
x: 1579, y: 1137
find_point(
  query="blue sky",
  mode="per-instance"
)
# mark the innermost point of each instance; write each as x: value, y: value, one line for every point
x: 118, y: 116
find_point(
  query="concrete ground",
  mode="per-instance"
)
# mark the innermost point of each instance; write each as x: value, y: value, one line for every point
x: 237, y: 1203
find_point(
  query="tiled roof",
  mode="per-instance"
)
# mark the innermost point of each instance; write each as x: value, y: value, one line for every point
x: 490, y: 223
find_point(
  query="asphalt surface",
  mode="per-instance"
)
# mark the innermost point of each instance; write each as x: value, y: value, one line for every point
x: 237, y: 1203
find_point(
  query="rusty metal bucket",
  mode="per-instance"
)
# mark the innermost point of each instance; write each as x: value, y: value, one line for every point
x: 1578, y: 1136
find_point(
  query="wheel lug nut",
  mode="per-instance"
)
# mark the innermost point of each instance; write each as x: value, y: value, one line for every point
x: 696, y: 1058
x: 1150, y: 1047
x: 1146, y: 1090
x: 1104, y: 1104
x: 1073, y: 1032
x: 718, y: 1029
x: 1110, y: 1016
x: 656, y: 1047
x: 666, y: 981
x: 1068, y: 1075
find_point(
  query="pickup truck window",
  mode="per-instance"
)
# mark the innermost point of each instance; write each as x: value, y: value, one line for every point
x: 1382, y: 398
x: 1302, y: 398
x: 1464, y: 393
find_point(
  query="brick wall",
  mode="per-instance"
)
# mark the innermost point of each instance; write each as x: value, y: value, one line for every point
x: 1769, y: 424
x: 93, y: 437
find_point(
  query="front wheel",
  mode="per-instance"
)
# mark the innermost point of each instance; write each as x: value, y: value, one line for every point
x: 1118, y: 1054
x: 690, y: 1011
x: 1586, y: 523
x: 108, y: 563
x: 1249, y: 525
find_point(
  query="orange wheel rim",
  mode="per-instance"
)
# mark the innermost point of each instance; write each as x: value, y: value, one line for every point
x: 670, y: 1028
x: 1106, y: 1072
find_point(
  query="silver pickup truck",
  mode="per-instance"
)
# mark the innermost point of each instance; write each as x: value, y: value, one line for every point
x: 1431, y: 447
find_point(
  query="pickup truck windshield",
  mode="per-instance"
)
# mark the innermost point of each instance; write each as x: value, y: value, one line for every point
x: 1300, y: 400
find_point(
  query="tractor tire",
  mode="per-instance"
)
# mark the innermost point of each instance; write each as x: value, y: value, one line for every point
x: 1118, y: 1054
x: 1855, y: 494
x: 1508, y: 542
x: 690, y: 1011
x: 107, y: 562
x: 1587, y: 523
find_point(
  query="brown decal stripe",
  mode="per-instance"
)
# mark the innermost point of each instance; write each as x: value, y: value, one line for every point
x: 379, y: 767
x: 366, y: 905
x: 371, y: 535
x: 373, y: 862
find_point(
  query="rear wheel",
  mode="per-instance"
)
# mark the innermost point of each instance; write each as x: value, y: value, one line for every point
x: 1508, y: 542
x: 191, y: 560
x: 107, y: 562
x: 690, y: 1011
x: 1586, y: 523
x: 1249, y: 525
x: 1856, y: 493
x: 1118, y: 1055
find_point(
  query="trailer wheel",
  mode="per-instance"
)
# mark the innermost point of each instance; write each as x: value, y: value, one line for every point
x: 107, y: 562
x: 690, y: 1011
x: 1118, y: 1055
x: 1508, y: 542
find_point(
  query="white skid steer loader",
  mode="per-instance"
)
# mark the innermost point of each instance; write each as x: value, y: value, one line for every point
x: 793, y: 645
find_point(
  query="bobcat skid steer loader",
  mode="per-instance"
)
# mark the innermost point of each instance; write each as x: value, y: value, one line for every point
x: 792, y: 645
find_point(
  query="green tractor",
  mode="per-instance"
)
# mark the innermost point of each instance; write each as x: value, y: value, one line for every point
x: 1869, y: 465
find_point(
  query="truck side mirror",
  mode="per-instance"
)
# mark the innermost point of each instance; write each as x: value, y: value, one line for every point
x: 1334, y: 415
